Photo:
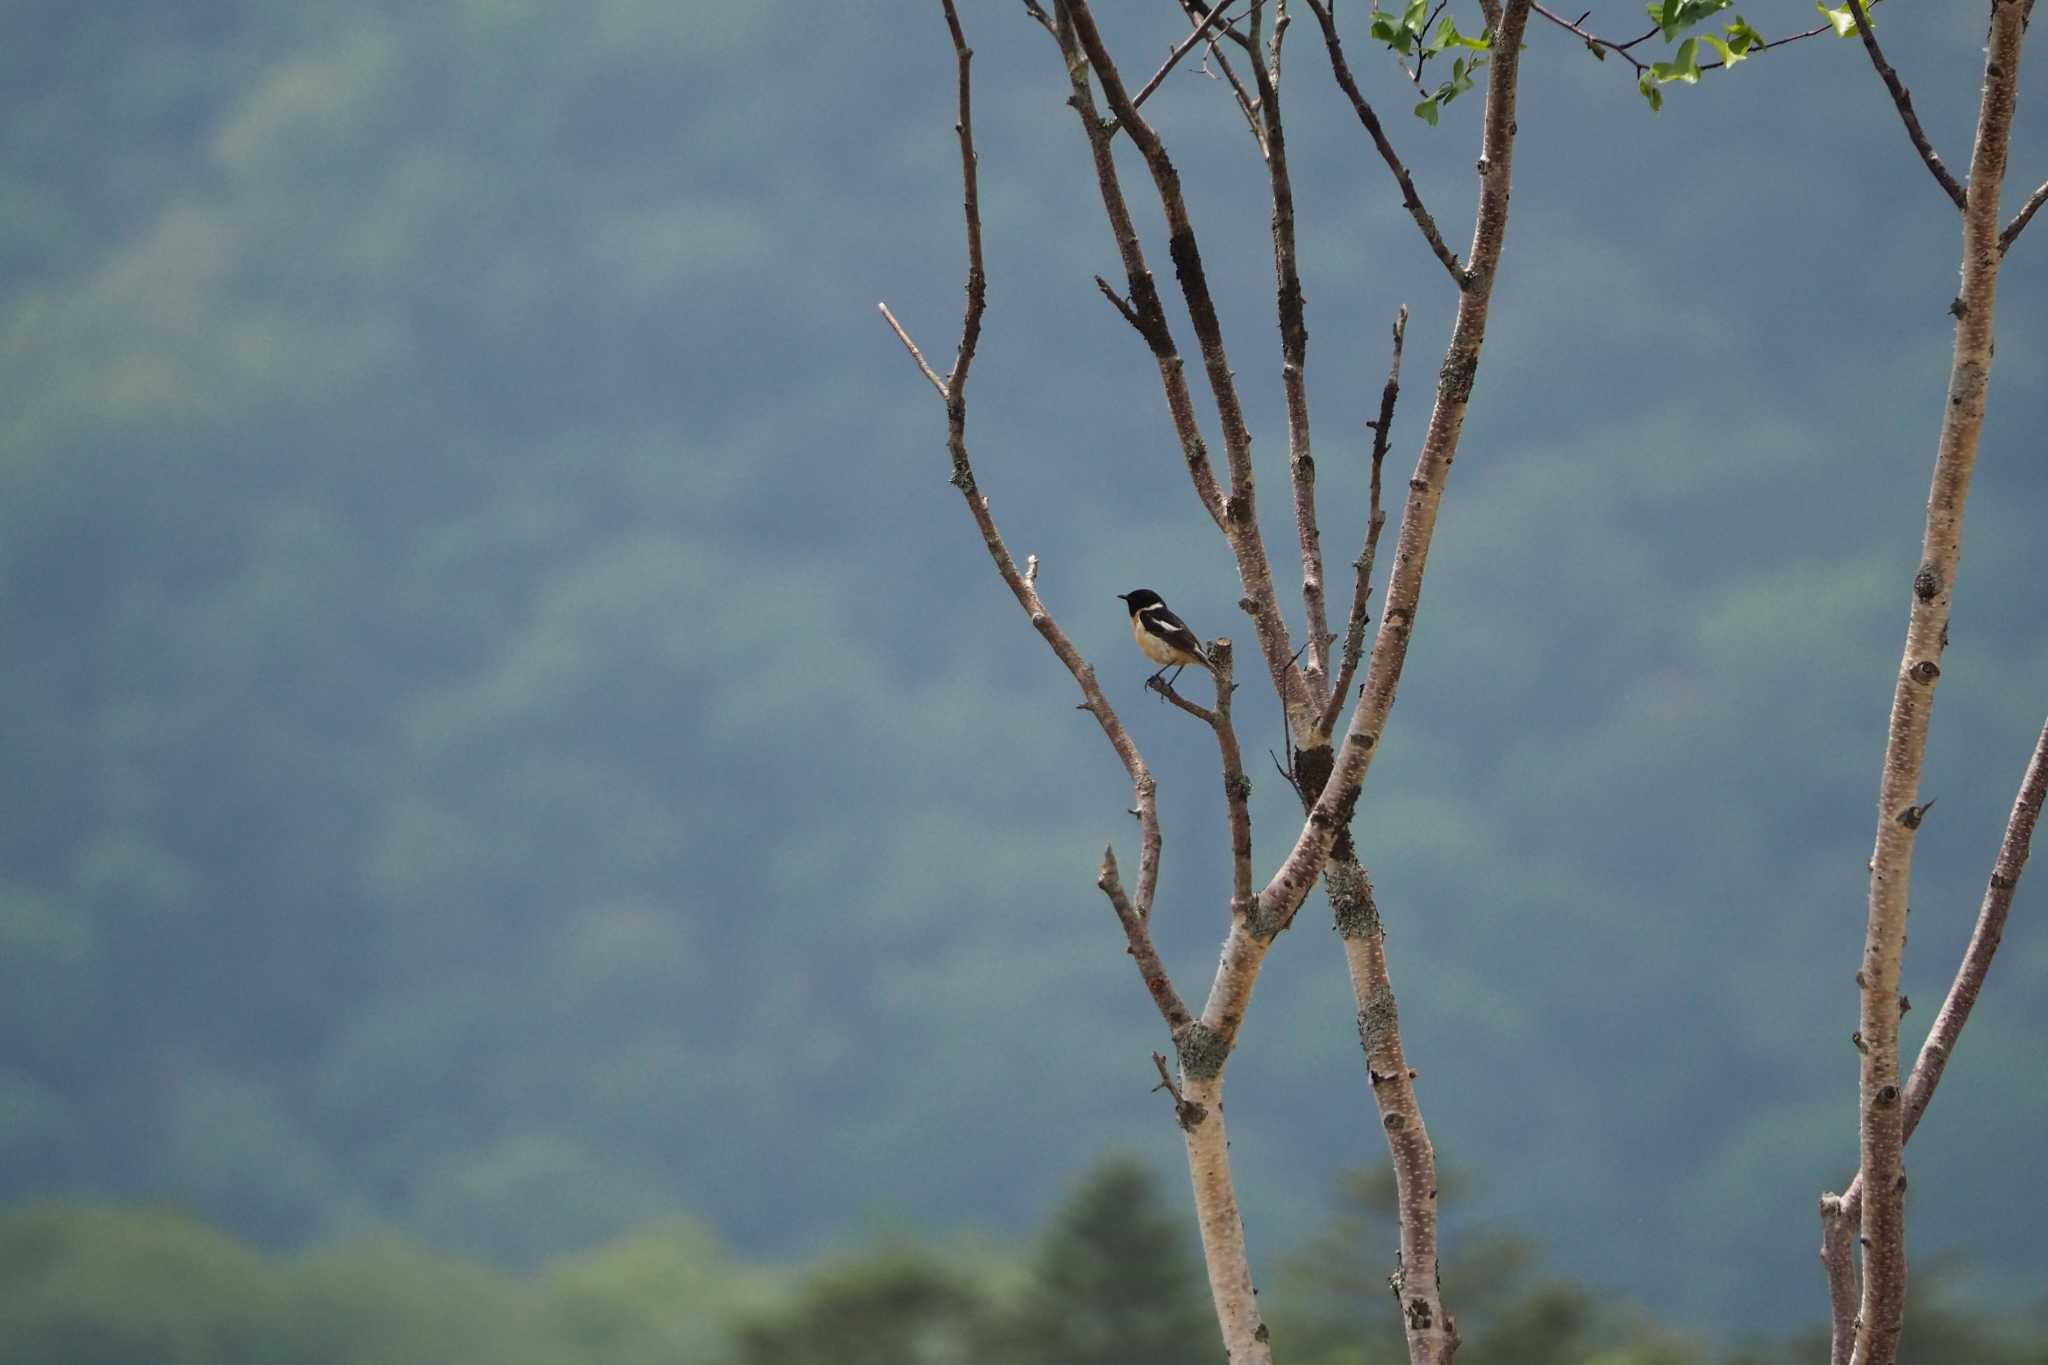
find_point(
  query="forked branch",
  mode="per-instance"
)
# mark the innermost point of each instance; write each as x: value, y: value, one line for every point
x: 1202, y: 30
x: 1840, y: 1213
x: 1881, y: 1126
x: 1138, y: 943
x: 1284, y: 892
x: 1084, y: 51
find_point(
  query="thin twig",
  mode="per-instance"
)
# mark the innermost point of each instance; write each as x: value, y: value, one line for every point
x: 1197, y: 13
x: 1838, y: 1262
x: 1186, y: 1112
x: 1118, y: 302
x: 1411, y: 199
x: 1186, y: 46
x: 1138, y: 941
x: 911, y: 347
x: 1774, y: 44
x: 1422, y: 59
x: 1166, y: 693
x: 2022, y: 218
x: 1247, y: 104
x: 1596, y: 42
x: 1023, y: 584
x: 1838, y: 1221
x: 1375, y: 522
x: 1903, y: 98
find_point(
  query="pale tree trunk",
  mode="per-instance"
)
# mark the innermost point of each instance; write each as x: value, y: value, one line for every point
x: 1881, y: 1128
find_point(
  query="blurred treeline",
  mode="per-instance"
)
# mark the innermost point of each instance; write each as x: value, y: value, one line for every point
x: 504, y: 733
x: 1112, y: 1279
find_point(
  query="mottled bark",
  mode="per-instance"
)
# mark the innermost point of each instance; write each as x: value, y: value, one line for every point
x: 1881, y: 1126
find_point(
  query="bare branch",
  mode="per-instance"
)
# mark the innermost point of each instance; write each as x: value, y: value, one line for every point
x: 1166, y: 693
x: 1138, y: 941
x: 1838, y: 1259
x: 1186, y: 46
x: 1940, y: 1045
x: 911, y: 346
x: 1284, y: 893
x: 1881, y: 1124
x: 1291, y: 308
x: 1432, y: 1334
x: 1186, y: 1113
x: 1410, y: 198
x: 1023, y: 584
x: 1145, y: 311
x: 1237, y: 788
x: 970, y: 212
x: 1117, y: 302
x: 1375, y: 522
x: 1903, y: 98
x: 1238, y: 516
x: 1247, y: 106
x: 2022, y: 218
x: 1597, y: 43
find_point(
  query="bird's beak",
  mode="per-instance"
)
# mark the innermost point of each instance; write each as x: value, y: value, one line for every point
x: 1123, y: 597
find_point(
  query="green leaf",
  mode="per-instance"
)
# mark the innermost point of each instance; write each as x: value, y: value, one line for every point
x: 1741, y: 37
x: 1447, y: 35
x: 1842, y: 19
x: 1650, y: 92
x: 1426, y: 111
x: 1684, y: 66
x: 1599, y: 52
x: 1673, y: 17
x: 1729, y: 56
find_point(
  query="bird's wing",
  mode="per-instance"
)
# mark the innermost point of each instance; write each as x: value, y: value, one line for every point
x: 1170, y: 628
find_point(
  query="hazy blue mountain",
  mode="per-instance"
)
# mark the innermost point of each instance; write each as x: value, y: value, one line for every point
x: 510, y: 734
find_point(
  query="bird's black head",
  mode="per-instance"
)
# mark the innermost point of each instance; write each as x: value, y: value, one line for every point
x: 1137, y: 599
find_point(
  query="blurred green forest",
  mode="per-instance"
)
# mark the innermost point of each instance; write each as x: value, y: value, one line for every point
x: 1112, y: 1279
x: 508, y: 742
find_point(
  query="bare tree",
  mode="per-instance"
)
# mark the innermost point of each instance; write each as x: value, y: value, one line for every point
x: 1314, y: 680
x: 1875, y: 1202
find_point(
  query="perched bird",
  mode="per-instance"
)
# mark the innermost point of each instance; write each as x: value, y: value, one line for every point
x: 1164, y: 637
